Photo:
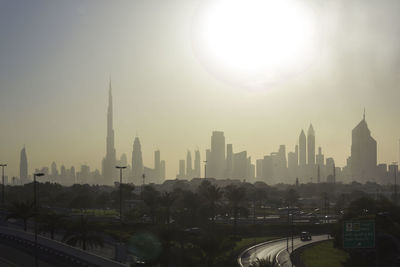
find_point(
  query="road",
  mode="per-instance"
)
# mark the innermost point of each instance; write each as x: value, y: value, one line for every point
x: 275, y: 249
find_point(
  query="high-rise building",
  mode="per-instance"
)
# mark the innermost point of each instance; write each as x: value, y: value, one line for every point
x: 182, y: 173
x: 137, y: 161
x: 189, y: 171
x: 108, y: 167
x: 302, y: 149
x: 157, y: 165
x: 240, y: 164
x: 229, y: 161
x: 163, y: 170
x: 197, y: 168
x: 311, y: 145
x: 320, y: 158
x: 54, y: 172
x: 123, y: 161
x: 216, y: 165
x: 363, y: 153
x: 23, y: 167
x: 259, y: 166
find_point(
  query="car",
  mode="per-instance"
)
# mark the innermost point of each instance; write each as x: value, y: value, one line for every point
x: 305, y: 236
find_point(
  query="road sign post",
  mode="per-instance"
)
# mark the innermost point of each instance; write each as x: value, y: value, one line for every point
x: 359, y: 234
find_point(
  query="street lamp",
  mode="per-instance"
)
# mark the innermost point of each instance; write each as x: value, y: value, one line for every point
x: 120, y: 190
x: 38, y: 174
x: 2, y: 178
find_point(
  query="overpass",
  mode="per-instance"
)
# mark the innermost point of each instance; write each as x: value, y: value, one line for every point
x: 52, y: 252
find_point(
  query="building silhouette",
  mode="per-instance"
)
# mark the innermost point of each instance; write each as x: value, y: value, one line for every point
x: 23, y: 167
x: 229, y: 161
x: 197, y: 168
x: 163, y: 170
x: 302, y: 149
x: 108, y: 167
x: 363, y: 153
x: 216, y: 163
x: 189, y: 170
x: 137, y: 161
x: 311, y: 146
x: 182, y: 173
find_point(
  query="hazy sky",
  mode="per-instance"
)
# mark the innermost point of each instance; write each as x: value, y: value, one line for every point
x: 56, y: 58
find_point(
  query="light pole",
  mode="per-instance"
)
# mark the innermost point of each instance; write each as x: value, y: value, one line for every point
x: 38, y: 174
x: 120, y: 191
x: 143, y: 177
x: 2, y: 185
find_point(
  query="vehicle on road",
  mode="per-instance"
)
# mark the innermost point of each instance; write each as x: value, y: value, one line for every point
x: 305, y: 236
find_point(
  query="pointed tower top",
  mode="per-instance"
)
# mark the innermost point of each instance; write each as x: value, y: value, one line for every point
x: 311, y: 130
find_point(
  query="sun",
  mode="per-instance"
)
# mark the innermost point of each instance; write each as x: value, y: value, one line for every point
x: 254, y: 43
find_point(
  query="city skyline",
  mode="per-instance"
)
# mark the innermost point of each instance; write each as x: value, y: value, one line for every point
x: 222, y: 163
x: 53, y: 95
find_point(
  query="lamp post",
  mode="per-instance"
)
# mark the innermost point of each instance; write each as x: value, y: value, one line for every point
x: 38, y: 174
x: 120, y: 191
x: 2, y: 185
x: 119, y: 258
x: 143, y: 177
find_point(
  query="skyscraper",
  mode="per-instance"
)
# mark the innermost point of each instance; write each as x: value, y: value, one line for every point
x: 216, y: 165
x: 163, y: 170
x: 189, y: 171
x: 197, y: 164
x: 229, y: 161
x: 157, y: 165
x: 108, y: 167
x: 311, y: 145
x: 363, y: 153
x: 302, y: 149
x: 137, y: 161
x: 23, y: 167
x: 182, y: 173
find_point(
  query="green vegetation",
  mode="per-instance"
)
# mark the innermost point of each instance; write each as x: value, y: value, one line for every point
x: 247, y: 242
x: 324, y: 254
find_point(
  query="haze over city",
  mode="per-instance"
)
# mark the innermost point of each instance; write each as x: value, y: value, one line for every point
x: 57, y: 59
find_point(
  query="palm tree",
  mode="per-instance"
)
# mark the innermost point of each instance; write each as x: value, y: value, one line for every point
x: 83, y: 233
x: 151, y: 198
x: 21, y: 210
x: 51, y: 222
x: 235, y: 196
x: 167, y: 200
x: 212, y: 194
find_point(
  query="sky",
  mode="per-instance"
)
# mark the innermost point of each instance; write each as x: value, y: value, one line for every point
x: 56, y: 58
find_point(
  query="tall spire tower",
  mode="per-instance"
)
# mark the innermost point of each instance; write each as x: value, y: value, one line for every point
x: 302, y: 149
x: 108, y: 167
x: 311, y: 145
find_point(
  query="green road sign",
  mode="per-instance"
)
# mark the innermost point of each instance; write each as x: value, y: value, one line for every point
x: 359, y: 234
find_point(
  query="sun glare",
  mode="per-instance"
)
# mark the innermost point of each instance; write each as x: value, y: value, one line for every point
x: 254, y: 42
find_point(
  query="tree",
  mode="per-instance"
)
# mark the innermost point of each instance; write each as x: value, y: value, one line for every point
x: 212, y: 194
x: 167, y: 200
x: 151, y: 198
x: 235, y: 196
x: 51, y: 222
x: 21, y: 210
x: 84, y: 233
x: 291, y: 197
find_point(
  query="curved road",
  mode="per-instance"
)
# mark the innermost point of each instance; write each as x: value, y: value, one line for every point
x: 275, y: 249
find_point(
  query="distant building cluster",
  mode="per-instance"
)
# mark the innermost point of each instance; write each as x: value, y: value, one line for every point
x: 303, y: 165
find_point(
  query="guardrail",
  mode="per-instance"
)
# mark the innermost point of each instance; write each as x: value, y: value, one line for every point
x: 54, y: 248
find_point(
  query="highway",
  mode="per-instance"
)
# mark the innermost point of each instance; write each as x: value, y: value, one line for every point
x: 275, y: 249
